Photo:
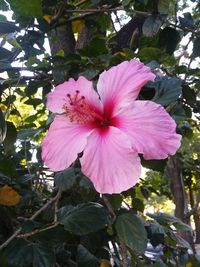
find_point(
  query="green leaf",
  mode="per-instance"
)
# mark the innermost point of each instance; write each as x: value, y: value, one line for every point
x: 84, y: 218
x: 179, y: 113
x: 187, y: 21
x: 96, y: 47
x: 2, y: 17
x: 179, y: 240
x: 164, y: 218
x: 148, y: 53
x: 65, y: 179
x: 189, y: 95
x: 137, y: 204
x: 85, y: 258
x: 159, y: 264
x: 10, y: 137
x: 131, y: 230
x: 104, y: 21
x: 169, y: 39
x: 90, y: 73
x: 8, y: 27
x: 22, y: 253
x: 156, y: 165
x: 8, y: 167
x: 28, y: 133
x: 33, y: 101
x: 156, y: 233
x: 196, y: 47
x: 5, y: 54
x: 167, y: 90
x: 3, y: 127
x: 31, y: 8
x: 42, y: 256
x: 152, y: 24
x: 163, y: 6
x: 115, y: 200
x: 14, y: 43
x: 126, y: 2
x: 3, y: 5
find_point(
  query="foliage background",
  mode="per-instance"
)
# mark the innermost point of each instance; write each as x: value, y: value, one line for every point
x: 59, y: 219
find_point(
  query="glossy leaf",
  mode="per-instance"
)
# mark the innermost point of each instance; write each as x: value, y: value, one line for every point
x: 65, y: 179
x: 169, y: 39
x: 85, y: 258
x: 130, y: 229
x: 26, y: 8
x: 152, y: 24
x: 22, y: 253
x: 167, y: 90
x: 3, y: 5
x: 10, y: 137
x: 156, y: 165
x: 3, y: 127
x: 84, y: 218
x: 196, y: 47
x: 189, y: 95
x: 5, y: 54
x: 8, y: 27
x: 164, y: 218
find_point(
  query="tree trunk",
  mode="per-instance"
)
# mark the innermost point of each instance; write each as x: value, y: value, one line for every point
x: 195, y: 216
x: 174, y: 174
x: 197, y: 227
x: 62, y: 38
x: 123, y: 38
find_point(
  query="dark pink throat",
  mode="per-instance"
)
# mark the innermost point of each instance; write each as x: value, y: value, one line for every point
x: 79, y: 110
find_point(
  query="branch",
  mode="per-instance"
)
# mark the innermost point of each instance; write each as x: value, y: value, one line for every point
x: 122, y: 246
x: 38, y: 231
x: 18, y: 231
x: 123, y: 252
x: 109, y: 207
x: 89, y: 12
x: 194, y: 208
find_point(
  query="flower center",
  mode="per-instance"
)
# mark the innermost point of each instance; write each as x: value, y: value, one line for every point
x: 78, y: 109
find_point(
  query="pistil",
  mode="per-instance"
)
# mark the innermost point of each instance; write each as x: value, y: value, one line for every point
x: 77, y: 109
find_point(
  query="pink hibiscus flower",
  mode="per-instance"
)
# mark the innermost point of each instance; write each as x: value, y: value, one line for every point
x: 111, y: 127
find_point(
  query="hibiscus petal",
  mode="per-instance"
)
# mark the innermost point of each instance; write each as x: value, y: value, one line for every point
x: 121, y: 84
x: 57, y: 98
x: 109, y: 161
x: 151, y: 129
x: 63, y: 142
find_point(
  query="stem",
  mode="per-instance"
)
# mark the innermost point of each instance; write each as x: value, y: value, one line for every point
x: 109, y: 207
x: 95, y: 11
x: 37, y: 231
x: 18, y: 231
x: 123, y: 252
x: 122, y: 246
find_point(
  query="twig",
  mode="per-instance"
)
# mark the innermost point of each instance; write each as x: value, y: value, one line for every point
x: 10, y: 238
x: 95, y: 11
x: 117, y: 19
x: 113, y: 24
x: 81, y: 2
x: 109, y: 207
x: 123, y: 252
x: 56, y: 206
x: 18, y: 231
x: 37, y: 231
x: 45, y: 206
x: 175, y: 13
x: 194, y: 208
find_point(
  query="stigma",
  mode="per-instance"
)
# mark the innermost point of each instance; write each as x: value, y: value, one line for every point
x: 79, y: 110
